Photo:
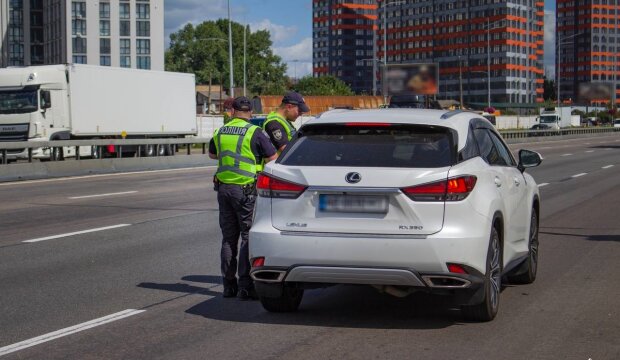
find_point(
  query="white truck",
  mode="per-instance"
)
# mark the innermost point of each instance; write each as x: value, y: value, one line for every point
x: 557, y: 118
x: 80, y: 102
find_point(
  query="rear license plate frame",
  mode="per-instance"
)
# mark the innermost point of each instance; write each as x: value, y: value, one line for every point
x: 349, y: 203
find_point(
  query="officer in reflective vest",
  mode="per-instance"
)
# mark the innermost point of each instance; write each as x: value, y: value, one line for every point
x: 278, y: 123
x: 238, y: 146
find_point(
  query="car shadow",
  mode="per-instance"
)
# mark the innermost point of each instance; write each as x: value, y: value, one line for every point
x: 350, y: 306
x: 598, y: 237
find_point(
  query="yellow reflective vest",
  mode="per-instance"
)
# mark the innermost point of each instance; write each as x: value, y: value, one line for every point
x: 236, y: 161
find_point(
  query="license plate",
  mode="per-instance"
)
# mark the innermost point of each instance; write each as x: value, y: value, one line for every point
x: 353, y: 203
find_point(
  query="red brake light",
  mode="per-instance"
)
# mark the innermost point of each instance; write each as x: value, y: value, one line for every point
x: 111, y: 149
x: 258, y: 262
x: 366, y: 124
x: 457, y: 269
x: 271, y: 187
x: 454, y: 189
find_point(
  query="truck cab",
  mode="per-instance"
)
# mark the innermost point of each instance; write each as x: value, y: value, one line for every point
x: 551, y: 119
x: 32, y: 106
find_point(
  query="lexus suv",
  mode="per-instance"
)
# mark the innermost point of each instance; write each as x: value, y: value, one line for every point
x: 403, y: 200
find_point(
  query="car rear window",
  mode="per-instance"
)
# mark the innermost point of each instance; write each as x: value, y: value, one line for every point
x: 376, y: 145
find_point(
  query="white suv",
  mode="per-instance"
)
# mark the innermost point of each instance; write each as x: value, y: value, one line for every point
x: 400, y: 199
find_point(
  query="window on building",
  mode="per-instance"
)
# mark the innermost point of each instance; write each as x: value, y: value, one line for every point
x: 78, y: 45
x: 143, y: 28
x: 143, y: 11
x: 78, y: 27
x: 123, y: 11
x: 105, y: 60
x: 104, y: 10
x: 144, y: 62
x: 78, y: 9
x: 143, y: 46
x: 125, y: 46
x: 104, y: 27
x: 125, y: 28
x: 79, y: 59
x: 125, y: 61
x: 104, y: 46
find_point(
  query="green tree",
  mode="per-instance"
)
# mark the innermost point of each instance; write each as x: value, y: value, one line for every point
x: 324, y: 85
x: 203, y: 50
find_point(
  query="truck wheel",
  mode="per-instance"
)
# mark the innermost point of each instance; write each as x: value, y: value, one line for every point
x: 487, y: 309
x: 148, y: 150
x: 57, y: 154
x: 171, y: 149
x: 161, y: 150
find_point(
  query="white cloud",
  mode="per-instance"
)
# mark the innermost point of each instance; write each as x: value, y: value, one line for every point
x: 549, y: 59
x: 279, y: 33
x: 298, y: 58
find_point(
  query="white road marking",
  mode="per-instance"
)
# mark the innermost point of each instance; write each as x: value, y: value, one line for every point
x: 100, y: 195
x: 542, y: 184
x: 589, y: 151
x: 76, y: 233
x: 606, y: 167
x: 104, y: 175
x: 578, y: 175
x: 68, y: 331
x: 567, y: 154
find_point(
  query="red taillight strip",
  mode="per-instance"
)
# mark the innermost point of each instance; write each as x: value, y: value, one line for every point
x: 272, y: 187
x: 453, y: 189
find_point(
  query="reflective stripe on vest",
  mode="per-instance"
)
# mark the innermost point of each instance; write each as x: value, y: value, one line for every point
x: 236, y: 161
x: 274, y: 116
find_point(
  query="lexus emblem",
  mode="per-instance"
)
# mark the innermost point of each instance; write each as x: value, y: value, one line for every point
x: 353, y: 177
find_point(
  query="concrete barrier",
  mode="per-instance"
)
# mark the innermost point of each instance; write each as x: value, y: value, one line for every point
x: 46, y: 170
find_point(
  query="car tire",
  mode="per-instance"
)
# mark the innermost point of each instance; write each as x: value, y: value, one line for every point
x: 288, y: 301
x: 487, y: 309
x: 527, y: 272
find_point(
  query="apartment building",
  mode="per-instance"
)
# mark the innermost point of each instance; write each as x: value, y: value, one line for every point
x: 588, y: 32
x: 121, y: 33
x: 344, y: 41
x: 474, y: 42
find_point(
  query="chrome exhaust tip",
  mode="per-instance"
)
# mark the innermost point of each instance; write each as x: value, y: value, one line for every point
x: 269, y: 276
x: 446, y: 282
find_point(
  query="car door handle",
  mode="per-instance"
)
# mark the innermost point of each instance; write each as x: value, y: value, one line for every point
x: 517, y: 181
x: 498, y: 182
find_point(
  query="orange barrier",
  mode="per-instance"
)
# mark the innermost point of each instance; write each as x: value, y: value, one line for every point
x: 319, y: 104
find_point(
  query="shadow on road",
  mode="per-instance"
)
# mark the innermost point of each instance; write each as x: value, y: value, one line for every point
x: 338, y: 306
x: 591, y: 237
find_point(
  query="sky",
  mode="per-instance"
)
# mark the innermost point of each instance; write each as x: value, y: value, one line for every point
x: 290, y: 25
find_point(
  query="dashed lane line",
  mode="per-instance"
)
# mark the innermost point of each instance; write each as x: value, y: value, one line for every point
x: 567, y: 154
x: 607, y: 167
x: 542, y: 184
x: 589, y: 151
x: 102, y: 195
x: 579, y: 175
x: 68, y: 331
x: 75, y: 233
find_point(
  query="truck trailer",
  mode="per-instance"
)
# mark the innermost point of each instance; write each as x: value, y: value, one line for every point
x: 81, y: 102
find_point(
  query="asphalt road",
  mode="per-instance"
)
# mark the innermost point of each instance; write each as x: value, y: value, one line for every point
x: 147, y: 285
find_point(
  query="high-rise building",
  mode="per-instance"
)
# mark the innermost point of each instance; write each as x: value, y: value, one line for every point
x: 125, y: 33
x: 588, y: 34
x: 493, y: 48
x: 343, y: 41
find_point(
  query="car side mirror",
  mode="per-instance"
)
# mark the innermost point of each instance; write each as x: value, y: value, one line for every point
x: 46, y: 100
x: 528, y: 159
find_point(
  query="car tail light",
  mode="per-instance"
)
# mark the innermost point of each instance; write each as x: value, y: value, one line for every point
x: 272, y: 187
x: 258, y: 262
x: 111, y: 149
x: 456, y: 268
x: 453, y: 189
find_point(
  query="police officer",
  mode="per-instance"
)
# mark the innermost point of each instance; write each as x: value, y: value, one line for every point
x: 239, y: 146
x: 278, y: 123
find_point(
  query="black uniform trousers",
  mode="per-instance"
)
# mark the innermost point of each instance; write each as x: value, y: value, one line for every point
x: 236, y: 210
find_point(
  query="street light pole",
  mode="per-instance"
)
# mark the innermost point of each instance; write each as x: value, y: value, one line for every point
x: 384, y: 77
x: 230, y: 56
x: 244, y: 62
x: 488, y: 63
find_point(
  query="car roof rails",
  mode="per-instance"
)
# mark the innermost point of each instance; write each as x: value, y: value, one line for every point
x: 450, y: 114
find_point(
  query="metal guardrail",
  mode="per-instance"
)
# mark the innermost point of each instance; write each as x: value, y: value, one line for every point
x: 140, y: 143
x: 518, y: 134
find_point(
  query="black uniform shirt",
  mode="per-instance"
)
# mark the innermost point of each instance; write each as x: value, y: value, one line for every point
x: 260, y: 145
x: 277, y: 134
